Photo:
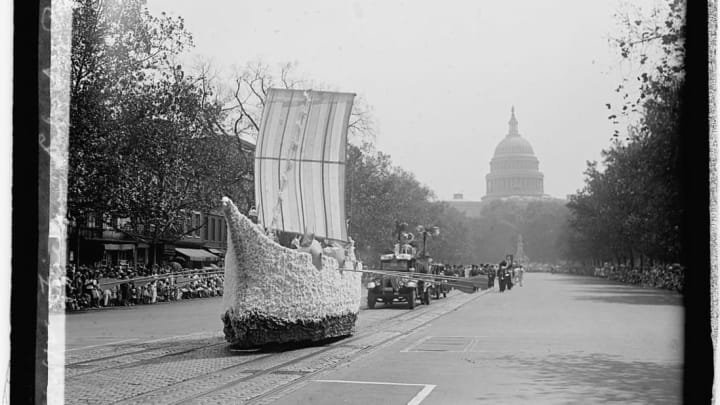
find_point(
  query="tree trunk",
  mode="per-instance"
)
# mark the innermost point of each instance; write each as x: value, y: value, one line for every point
x: 77, y: 244
x: 153, y: 255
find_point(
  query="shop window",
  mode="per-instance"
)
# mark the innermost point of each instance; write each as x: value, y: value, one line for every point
x: 91, y: 221
x: 106, y: 223
x: 122, y: 223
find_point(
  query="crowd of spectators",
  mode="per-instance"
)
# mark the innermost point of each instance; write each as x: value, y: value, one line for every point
x: 103, y: 286
x: 668, y: 277
x: 474, y: 269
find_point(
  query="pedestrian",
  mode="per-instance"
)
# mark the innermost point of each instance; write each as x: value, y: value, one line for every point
x: 133, y: 293
x: 491, y: 276
x: 125, y: 292
x: 501, y: 275
x: 114, y: 295
x: 509, y: 273
x: 90, y: 291
x: 153, y: 292
x: 520, y: 273
x: 106, y: 297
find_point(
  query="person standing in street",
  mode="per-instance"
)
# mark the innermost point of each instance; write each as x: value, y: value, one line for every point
x: 125, y: 292
x: 153, y: 292
x: 490, y: 275
x: 133, y: 294
x: 106, y: 297
x: 509, y: 271
x: 520, y: 273
x: 501, y: 275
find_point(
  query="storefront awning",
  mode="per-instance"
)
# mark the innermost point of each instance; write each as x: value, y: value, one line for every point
x: 197, y: 255
x: 115, y: 246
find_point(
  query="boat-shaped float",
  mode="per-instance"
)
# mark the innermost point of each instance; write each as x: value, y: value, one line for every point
x: 275, y: 294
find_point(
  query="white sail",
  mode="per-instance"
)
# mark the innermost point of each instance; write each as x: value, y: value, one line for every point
x: 300, y: 162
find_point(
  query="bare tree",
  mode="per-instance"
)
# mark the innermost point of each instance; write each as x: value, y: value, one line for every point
x: 242, y: 97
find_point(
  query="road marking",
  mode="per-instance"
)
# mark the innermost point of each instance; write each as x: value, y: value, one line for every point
x: 103, y: 344
x: 418, y: 398
x: 421, y: 395
x: 412, y: 346
x: 474, y: 347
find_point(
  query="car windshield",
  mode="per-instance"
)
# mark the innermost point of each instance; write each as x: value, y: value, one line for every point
x: 395, y: 265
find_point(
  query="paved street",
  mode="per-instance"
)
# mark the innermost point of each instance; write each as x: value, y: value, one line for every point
x: 559, y: 339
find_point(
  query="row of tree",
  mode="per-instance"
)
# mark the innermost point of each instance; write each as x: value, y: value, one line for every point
x: 150, y: 142
x: 380, y: 194
x: 630, y: 209
x: 141, y: 144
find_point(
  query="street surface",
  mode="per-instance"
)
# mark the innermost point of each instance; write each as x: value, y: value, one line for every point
x: 559, y: 339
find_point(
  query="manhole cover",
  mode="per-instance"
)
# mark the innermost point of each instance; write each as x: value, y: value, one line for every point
x: 442, y: 344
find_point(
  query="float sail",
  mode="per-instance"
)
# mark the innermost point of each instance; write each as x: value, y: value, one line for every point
x: 300, y: 162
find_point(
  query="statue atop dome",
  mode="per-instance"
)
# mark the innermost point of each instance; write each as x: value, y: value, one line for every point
x: 513, y: 123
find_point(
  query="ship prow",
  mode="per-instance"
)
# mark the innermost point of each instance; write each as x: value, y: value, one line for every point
x: 276, y: 295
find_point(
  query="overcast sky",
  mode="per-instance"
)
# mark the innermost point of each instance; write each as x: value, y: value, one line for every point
x: 440, y: 77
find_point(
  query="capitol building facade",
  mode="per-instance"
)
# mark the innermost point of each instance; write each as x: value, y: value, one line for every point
x: 514, y: 169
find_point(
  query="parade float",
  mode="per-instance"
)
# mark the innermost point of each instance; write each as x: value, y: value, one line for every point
x: 273, y: 293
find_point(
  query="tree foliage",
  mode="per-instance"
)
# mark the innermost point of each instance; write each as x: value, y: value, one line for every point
x: 152, y: 143
x: 141, y: 144
x: 540, y: 222
x: 378, y: 194
x: 632, y: 208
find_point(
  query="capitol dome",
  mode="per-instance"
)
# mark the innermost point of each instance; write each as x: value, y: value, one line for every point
x: 514, y: 169
x: 514, y: 146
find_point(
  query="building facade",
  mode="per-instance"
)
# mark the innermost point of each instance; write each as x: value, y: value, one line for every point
x: 97, y: 240
x: 514, y: 168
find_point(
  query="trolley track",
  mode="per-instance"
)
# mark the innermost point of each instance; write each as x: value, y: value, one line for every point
x: 348, y: 343
x: 141, y: 351
x: 259, y: 356
x: 271, y: 395
x: 262, y: 365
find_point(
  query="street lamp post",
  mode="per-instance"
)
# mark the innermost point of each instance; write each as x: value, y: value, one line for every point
x: 427, y: 230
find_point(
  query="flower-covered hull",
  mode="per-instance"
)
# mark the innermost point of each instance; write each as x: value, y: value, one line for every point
x: 276, y: 295
x: 253, y: 330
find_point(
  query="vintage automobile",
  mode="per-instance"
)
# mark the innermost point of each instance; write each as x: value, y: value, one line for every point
x: 393, y: 289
